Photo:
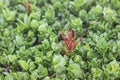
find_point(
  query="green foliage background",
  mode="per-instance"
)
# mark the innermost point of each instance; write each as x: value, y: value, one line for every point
x: 29, y: 42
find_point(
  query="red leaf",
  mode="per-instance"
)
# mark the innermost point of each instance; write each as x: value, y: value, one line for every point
x: 75, y: 43
x: 69, y: 42
x: 70, y: 34
x: 74, y: 36
x: 63, y: 36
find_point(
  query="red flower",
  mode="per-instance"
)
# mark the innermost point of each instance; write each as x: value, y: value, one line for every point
x: 70, y: 42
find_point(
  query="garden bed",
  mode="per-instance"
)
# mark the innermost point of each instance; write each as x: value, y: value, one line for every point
x: 59, y: 40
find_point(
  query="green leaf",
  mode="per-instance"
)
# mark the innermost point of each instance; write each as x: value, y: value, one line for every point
x: 58, y: 61
x: 34, y: 24
x: 42, y: 71
x: 97, y: 73
x: 9, y: 15
x: 31, y: 34
x: 76, y: 23
x: 22, y: 76
x: 38, y: 59
x: 9, y: 77
x: 112, y: 69
x: 45, y: 44
x: 95, y: 12
x: 75, y: 70
x: 19, y: 40
x: 26, y: 19
x: 47, y: 78
x: 31, y: 66
x: 109, y: 14
x: 77, y: 58
x: 12, y: 58
x: 54, y: 46
x: 23, y: 64
x: 34, y: 75
x: 43, y: 27
x: 83, y: 14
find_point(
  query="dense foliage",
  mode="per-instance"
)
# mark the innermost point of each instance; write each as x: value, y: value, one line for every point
x: 31, y: 44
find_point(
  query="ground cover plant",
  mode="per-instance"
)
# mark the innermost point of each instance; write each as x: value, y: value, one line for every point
x: 59, y: 39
